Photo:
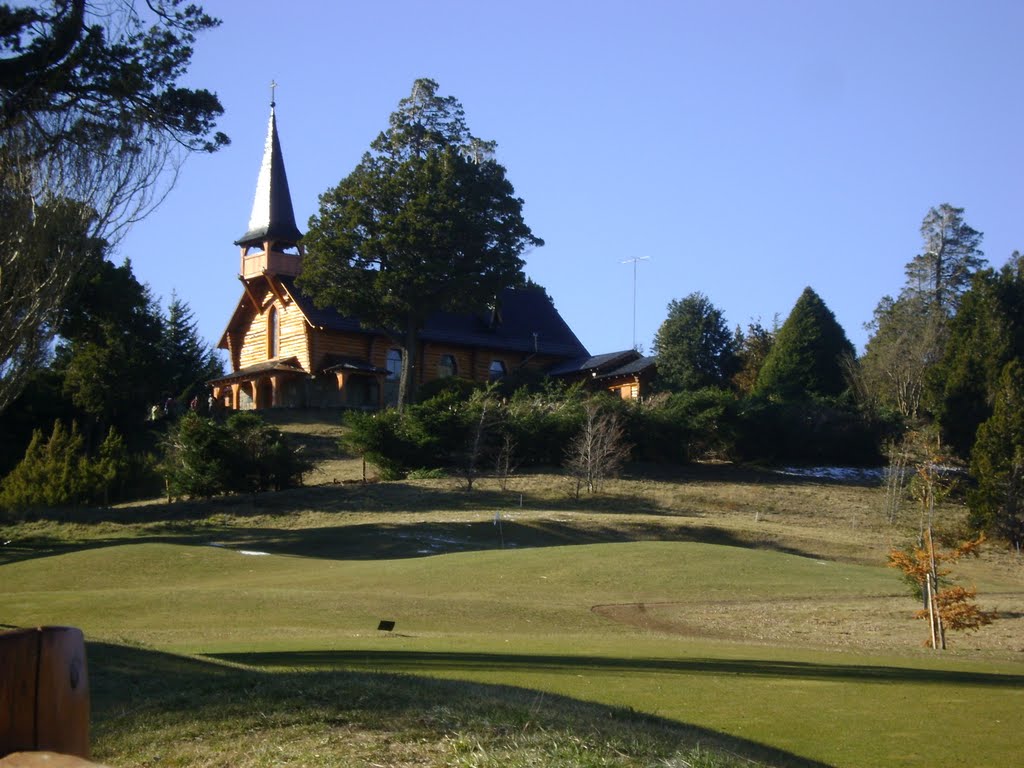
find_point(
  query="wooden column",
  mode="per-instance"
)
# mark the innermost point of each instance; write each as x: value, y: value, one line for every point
x: 342, y: 394
x: 234, y: 396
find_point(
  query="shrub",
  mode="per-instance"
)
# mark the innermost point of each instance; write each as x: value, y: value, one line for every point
x: 261, y: 458
x: 807, y: 432
x: 53, y: 473
x: 375, y: 437
x: 205, y: 458
x: 57, y: 471
x: 197, y: 457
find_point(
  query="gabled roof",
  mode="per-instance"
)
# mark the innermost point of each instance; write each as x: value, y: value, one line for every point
x: 529, y: 324
x: 272, y: 215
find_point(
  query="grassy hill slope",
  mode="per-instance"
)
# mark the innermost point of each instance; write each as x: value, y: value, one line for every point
x: 739, y: 609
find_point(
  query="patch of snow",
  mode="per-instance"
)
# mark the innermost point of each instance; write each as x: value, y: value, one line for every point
x: 251, y: 552
x: 848, y: 474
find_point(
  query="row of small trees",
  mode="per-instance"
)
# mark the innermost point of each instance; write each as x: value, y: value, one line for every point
x: 946, y: 355
x: 487, y: 431
x: 118, y: 353
x: 199, y: 457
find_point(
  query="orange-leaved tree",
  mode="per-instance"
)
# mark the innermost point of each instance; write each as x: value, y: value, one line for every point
x: 949, y: 607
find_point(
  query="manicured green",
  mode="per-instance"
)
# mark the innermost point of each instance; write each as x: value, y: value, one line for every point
x: 524, y: 617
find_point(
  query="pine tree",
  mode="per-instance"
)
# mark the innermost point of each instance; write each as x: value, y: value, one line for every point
x: 997, y: 462
x: 188, y: 361
x: 941, y: 273
x: 806, y: 360
x: 910, y: 332
x: 109, y: 355
x: 694, y: 346
x: 986, y: 334
x: 426, y: 222
x: 54, y: 472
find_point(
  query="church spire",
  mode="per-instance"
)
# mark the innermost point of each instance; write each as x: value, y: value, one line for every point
x: 272, y: 223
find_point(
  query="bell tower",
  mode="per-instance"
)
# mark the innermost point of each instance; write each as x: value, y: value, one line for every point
x: 271, y: 245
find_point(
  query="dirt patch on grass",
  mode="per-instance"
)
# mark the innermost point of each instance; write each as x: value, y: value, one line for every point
x: 880, y: 623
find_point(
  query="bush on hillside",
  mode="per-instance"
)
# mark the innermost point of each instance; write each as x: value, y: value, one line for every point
x: 261, y: 459
x: 58, y: 472
x: 204, y: 458
x: 810, y: 432
x: 445, y: 431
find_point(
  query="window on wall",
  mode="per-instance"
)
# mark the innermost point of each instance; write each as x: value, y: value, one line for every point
x: 273, y: 332
x: 446, y: 367
x: 496, y: 371
x: 394, y: 364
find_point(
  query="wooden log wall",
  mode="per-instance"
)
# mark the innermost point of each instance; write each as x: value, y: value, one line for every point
x: 292, y: 335
x: 323, y: 343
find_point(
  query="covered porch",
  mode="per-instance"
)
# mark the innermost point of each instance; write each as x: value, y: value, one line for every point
x: 273, y: 384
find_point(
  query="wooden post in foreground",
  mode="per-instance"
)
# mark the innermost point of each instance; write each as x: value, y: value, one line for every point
x: 44, y: 691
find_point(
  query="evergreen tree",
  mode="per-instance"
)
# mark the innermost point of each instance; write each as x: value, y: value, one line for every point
x: 943, y: 269
x: 92, y: 116
x: 986, y: 334
x: 189, y: 361
x: 909, y: 333
x: 694, y: 346
x: 997, y: 462
x: 109, y: 352
x: 752, y: 348
x: 54, y: 472
x: 427, y: 221
x: 806, y: 360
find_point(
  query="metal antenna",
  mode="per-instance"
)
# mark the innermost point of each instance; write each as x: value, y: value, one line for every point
x: 634, y: 262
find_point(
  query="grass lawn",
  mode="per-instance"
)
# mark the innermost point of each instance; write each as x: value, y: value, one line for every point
x: 746, y: 612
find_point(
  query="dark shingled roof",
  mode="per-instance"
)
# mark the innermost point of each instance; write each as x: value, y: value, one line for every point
x: 637, y: 366
x: 334, y: 363
x: 599, y: 364
x: 272, y: 215
x: 287, y: 365
x: 523, y: 311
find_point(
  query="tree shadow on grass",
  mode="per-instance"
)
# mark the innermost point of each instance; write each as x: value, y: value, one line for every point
x: 413, y: 661
x: 387, y: 541
x: 221, y: 520
x: 137, y: 690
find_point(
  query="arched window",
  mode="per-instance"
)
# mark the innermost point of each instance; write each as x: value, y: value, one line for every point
x: 394, y: 364
x: 496, y: 371
x: 446, y: 367
x: 273, y: 332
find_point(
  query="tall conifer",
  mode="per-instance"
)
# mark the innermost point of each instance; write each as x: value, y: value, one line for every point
x: 806, y: 360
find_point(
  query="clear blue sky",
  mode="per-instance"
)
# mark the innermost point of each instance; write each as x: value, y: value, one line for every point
x: 749, y: 149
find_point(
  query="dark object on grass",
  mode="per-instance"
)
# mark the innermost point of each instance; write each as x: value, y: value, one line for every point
x: 386, y: 626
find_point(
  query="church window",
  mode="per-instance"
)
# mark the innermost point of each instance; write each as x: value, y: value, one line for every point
x: 446, y: 367
x: 496, y: 371
x: 394, y: 364
x: 273, y: 333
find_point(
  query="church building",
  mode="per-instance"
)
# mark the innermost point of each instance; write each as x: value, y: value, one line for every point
x: 285, y: 352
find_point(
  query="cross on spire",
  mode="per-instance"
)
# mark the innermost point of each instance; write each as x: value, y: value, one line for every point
x: 273, y: 87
